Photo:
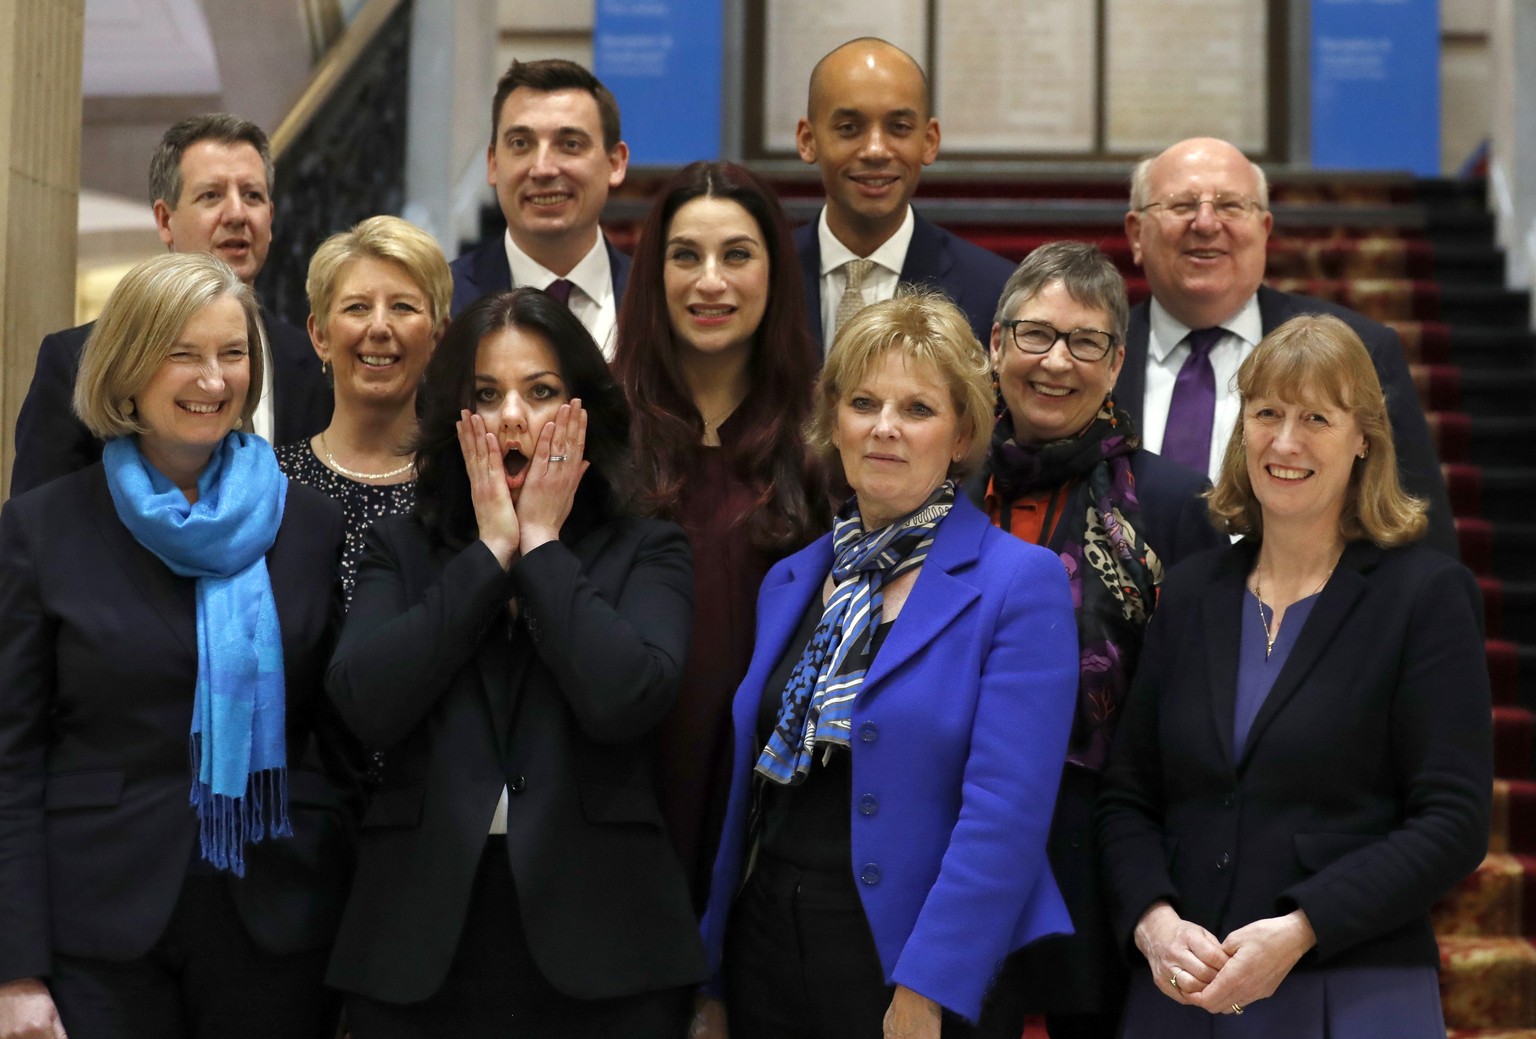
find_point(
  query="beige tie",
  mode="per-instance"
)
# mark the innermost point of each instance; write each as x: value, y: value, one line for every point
x: 853, y: 293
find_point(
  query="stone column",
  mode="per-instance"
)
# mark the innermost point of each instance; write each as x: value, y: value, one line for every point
x: 40, y: 53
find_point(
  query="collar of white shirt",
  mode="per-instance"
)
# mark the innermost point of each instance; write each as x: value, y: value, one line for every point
x: 891, y: 255
x: 1166, y: 332
x: 592, y: 275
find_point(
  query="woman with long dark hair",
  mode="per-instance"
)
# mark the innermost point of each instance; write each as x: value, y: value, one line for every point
x: 511, y: 647
x: 714, y: 355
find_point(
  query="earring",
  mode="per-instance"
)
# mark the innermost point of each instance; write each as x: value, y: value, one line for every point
x: 239, y: 422
x: 1364, y: 451
x: 128, y: 406
x: 325, y: 366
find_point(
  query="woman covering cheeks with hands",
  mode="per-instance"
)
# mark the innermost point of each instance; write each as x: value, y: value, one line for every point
x: 511, y: 646
x: 1304, y: 765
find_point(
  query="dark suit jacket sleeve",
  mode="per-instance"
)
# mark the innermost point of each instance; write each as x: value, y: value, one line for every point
x: 1416, y: 458
x: 396, y: 658
x: 50, y: 440
x: 618, y: 665
x: 1442, y: 754
x: 26, y: 685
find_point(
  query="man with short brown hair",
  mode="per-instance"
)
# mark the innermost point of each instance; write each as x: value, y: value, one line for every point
x: 554, y: 155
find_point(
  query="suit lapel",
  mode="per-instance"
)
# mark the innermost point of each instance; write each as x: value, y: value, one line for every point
x: 1344, y: 589
x: 492, y: 273
x: 937, y: 598
x: 809, y: 248
x: 1131, y: 388
x: 618, y: 267
x: 1222, y: 616
x: 168, y: 595
x: 927, y: 260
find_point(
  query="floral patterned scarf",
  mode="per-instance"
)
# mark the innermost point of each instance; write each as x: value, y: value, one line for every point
x: 1114, y: 574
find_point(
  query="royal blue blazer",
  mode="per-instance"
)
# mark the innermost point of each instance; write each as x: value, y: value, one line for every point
x: 959, y: 734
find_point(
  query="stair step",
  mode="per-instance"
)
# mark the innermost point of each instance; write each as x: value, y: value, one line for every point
x: 1488, y: 982
x: 1461, y: 264
x: 1485, y: 305
x: 1487, y: 903
x: 1492, y: 493
x: 1509, y: 393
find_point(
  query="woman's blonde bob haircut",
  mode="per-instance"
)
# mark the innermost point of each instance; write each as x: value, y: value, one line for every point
x: 380, y: 238
x: 1311, y: 359
x: 139, y: 325
x: 928, y: 329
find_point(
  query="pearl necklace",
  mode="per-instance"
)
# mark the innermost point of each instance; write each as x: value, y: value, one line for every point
x: 1258, y: 593
x: 330, y: 460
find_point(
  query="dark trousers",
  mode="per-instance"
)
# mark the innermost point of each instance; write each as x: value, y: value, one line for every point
x: 204, y: 979
x: 494, y: 990
x: 801, y: 963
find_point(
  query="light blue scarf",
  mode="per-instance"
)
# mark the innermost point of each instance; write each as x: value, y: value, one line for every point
x: 239, y: 755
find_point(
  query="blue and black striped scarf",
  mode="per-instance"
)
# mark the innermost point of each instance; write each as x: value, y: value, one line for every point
x: 818, y: 700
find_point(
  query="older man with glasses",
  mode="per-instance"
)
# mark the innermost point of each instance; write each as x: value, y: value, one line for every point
x: 1199, y: 223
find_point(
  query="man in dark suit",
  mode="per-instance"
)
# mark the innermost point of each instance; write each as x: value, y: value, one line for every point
x: 868, y: 127
x: 555, y: 153
x: 210, y: 184
x: 1199, y: 223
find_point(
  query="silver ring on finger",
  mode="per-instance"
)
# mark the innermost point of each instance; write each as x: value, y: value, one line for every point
x: 557, y: 458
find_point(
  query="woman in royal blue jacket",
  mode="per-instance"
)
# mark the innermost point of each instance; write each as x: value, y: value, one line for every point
x: 899, y: 734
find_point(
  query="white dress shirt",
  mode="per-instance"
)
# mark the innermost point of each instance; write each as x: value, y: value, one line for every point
x: 879, y: 284
x: 1166, y: 354
x: 592, y: 288
x: 265, y: 419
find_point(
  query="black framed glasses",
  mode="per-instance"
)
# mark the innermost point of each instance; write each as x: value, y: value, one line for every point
x: 1225, y: 205
x: 1037, y: 337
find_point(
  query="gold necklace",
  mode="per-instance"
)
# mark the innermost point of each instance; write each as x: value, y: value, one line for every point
x: 1258, y: 593
x: 330, y: 460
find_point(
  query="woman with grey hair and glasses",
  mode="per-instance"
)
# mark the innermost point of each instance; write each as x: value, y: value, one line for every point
x: 1065, y: 470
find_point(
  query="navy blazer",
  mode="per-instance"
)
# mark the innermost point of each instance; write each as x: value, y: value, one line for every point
x: 1363, y: 793
x: 485, y: 270
x: 52, y: 441
x: 97, y: 670
x: 1417, y: 461
x: 966, y: 273
x: 557, y: 710
x: 961, y: 727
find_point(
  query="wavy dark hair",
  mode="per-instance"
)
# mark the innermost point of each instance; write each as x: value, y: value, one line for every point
x: 666, y: 428
x: 442, y: 487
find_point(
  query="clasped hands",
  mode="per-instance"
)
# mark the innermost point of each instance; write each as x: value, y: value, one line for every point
x: 1221, y: 976
x: 515, y: 521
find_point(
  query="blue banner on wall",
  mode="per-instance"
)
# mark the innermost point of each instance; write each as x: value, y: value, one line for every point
x: 1376, y: 85
x: 662, y: 59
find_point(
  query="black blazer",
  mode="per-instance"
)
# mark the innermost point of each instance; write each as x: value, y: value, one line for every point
x: 1080, y: 973
x: 485, y: 270
x: 1417, y: 461
x: 52, y: 441
x: 966, y: 273
x: 1363, y: 793
x: 97, y: 668
x: 558, y: 708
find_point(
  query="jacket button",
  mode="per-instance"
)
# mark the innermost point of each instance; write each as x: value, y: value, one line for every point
x: 1223, y: 862
x: 870, y: 874
x: 868, y: 805
x: 869, y: 732
x: 517, y: 784
x: 1229, y: 800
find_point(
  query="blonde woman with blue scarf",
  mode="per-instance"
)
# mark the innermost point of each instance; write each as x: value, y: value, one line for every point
x: 173, y: 852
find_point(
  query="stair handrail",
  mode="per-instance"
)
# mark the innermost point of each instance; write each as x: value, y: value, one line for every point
x: 331, y: 71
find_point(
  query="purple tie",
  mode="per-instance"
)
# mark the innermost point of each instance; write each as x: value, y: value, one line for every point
x: 1191, y: 412
x: 560, y: 289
